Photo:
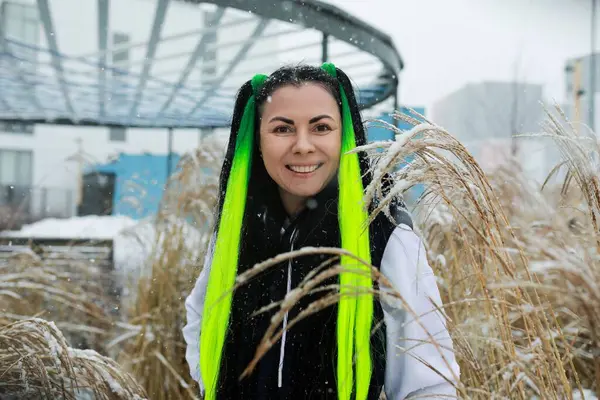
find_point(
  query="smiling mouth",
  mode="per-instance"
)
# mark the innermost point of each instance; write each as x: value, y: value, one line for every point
x: 304, y: 169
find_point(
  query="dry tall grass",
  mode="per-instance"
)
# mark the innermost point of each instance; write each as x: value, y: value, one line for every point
x: 36, y: 362
x: 35, y: 359
x: 152, y: 346
x: 518, y: 268
x: 70, y: 295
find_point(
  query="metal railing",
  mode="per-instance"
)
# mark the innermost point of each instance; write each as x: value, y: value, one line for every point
x: 23, y: 204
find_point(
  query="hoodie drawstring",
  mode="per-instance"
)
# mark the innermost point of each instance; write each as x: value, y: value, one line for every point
x: 285, y: 317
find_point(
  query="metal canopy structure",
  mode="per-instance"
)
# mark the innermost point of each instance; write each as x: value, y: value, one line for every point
x: 44, y: 84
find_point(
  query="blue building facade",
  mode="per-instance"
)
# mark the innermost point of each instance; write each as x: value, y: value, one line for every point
x: 131, y: 185
x: 376, y: 132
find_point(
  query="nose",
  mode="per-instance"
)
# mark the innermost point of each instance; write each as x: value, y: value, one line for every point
x: 303, y: 144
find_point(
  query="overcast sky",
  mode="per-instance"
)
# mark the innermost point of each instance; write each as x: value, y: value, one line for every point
x: 447, y: 43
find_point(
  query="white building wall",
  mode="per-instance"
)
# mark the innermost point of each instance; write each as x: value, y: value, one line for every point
x: 55, y: 148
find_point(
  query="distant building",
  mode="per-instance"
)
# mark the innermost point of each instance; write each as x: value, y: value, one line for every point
x: 579, y: 92
x: 486, y: 116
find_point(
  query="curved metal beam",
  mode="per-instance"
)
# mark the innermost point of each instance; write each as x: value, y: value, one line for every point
x: 211, y: 124
x: 232, y: 64
x: 196, y: 54
x: 3, y: 101
x: 103, y: 6
x: 159, y: 18
x: 46, y: 18
x: 325, y: 18
x: 311, y: 14
x: 332, y: 21
x: 17, y: 70
x: 165, y: 39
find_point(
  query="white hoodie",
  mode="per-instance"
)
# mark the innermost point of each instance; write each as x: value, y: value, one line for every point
x: 420, y: 361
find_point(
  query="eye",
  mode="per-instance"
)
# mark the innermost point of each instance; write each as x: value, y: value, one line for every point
x: 282, y: 129
x: 323, y: 128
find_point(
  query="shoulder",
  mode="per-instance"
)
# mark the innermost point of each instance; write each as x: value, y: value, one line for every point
x: 405, y: 242
x: 396, y: 210
x: 399, y: 215
x: 415, y: 322
x: 393, y: 215
x: 404, y: 264
x: 384, y: 225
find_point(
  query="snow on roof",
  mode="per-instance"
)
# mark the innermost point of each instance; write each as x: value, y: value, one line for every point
x: 133, y: 240
x: 89, y: 227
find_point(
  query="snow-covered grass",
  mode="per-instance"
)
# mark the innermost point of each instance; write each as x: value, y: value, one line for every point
x: 158, y: 256
x: 36, y: 362
x: 152, y: 344
x: 518, y: 267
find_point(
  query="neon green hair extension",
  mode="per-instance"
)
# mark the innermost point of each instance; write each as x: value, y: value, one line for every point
x: 355, y: 312
x: 223, y: 270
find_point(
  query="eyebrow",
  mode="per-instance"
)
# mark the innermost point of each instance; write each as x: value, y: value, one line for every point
x: 282, y: 119
x: 291, y: 121
x: 319, y: 117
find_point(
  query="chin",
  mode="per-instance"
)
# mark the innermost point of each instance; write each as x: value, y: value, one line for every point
x: 303, y: 193
x: 306, y: 192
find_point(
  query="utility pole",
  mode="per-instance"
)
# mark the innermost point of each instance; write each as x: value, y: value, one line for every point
x: 592, y: 109
x: 325, y: 48
x: 79, y: 156
x: 577, y: 91
x: 170, y: 154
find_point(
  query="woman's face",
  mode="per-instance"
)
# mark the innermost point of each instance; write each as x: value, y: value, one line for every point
x: 300, y: 139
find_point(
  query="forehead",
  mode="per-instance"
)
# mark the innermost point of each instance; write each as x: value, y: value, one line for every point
x: 306, y: 100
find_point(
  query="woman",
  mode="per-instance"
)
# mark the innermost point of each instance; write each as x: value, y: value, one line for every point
x: 287, y: 182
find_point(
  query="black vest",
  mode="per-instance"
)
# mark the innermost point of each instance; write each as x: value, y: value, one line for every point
x: 310, y: 362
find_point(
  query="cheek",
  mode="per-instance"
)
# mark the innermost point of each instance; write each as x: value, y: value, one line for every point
x: 272, y: 152
x: 333, y: 148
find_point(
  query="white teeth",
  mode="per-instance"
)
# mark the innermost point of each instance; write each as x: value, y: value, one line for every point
x: 304, y: 169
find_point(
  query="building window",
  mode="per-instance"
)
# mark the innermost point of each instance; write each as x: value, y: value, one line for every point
x: 16, y: 167
x: 117, y: 134
x: 209, y: 57
x: 21, y: 23
x: 16, y: 127
x: 16, y: 176
x: 120, y: 56
x: 120, y: 64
